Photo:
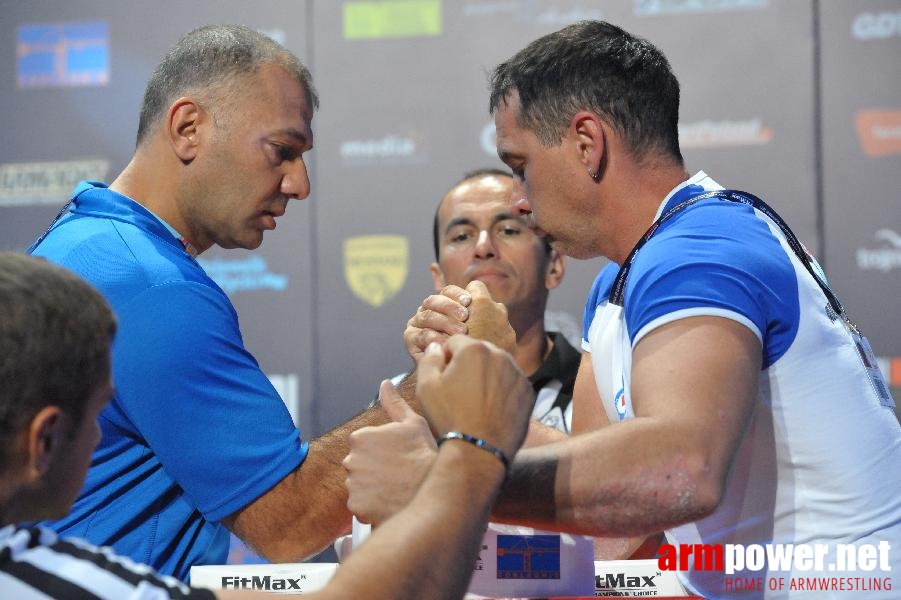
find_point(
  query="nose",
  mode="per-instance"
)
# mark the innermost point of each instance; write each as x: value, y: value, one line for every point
x: 520, y: 200
x: 295, y: 181
x: 485, y: 245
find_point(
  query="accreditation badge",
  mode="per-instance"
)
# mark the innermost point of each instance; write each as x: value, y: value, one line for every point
x: 868, y: 360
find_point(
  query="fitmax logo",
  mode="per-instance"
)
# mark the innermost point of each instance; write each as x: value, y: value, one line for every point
x: 262, y: 583
x: 619, y: 581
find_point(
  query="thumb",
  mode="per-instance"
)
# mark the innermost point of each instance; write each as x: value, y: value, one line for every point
x: 393, y: 403
x: 477, y: 287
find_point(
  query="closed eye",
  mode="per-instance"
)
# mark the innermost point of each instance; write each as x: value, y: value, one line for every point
x: 285, y: 153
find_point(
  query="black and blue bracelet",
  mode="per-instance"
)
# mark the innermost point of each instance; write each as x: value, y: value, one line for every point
x: 477, y: 442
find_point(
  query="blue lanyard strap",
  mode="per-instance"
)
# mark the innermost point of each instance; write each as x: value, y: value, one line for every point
x: 619, y: 285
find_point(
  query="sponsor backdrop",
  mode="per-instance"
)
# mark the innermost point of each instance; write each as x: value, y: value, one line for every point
x: 798, y: 102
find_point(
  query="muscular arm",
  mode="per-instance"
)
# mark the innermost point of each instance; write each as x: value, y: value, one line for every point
x: 694, y: 382
x: 430, y: 547
x: 389, y: 463
x: 432, y: 543
x: 306, y: 510
x: 589, y: 415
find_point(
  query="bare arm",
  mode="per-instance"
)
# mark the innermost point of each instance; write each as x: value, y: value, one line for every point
x: 694, y: 382
x: 432, y: 543
x: 589, y: 415
x: 430, y: 547
x: 389, y: 463
x: 306, y: 510
x: 540, y: 433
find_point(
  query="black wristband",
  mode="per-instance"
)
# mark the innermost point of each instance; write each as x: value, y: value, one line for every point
x: 477, y: 442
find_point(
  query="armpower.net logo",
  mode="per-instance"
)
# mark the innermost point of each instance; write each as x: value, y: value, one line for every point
x: 779, y: 567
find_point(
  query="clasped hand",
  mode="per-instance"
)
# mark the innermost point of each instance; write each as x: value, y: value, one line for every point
x: 454, y: 311
x: 465, y: 385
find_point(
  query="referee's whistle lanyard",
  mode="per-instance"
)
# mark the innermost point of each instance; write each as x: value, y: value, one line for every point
x: 835, y: 307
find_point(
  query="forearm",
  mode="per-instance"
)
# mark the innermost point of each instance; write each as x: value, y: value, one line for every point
x: 307, y: 510
x: 664, y: 482
x: 622, y: 548
x: 539, y: 434
x: 433, y: 542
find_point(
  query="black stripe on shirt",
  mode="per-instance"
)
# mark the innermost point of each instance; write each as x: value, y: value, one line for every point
x: 46, y: 582
x: 126, y: 574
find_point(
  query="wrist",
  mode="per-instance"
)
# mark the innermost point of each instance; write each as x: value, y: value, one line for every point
x: 477, y: 443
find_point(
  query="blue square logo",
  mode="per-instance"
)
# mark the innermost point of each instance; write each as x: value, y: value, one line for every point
x: 62, y: 55
x: 528, y: 557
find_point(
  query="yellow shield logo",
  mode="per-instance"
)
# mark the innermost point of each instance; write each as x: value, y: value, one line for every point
x: 375, y: 266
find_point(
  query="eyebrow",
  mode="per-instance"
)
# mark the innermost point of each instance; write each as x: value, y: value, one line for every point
x: 504, y: 216
x: 297, y: 136
x: 506, y: 156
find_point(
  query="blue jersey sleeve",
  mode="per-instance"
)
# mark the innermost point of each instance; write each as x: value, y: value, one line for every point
x: 717, y: 258
x: 199, y: 398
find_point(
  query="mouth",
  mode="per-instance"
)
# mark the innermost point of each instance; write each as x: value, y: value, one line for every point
x: 268, y: 221
x: 486, y: 275
x: 269, y: 216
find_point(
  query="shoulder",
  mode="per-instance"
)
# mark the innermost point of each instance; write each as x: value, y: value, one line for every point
x: 714, y: 258
x: 708, y: 238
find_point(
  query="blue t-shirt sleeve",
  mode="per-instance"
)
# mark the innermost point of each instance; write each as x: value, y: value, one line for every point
x: 717, y: 259
x: 199, y: 398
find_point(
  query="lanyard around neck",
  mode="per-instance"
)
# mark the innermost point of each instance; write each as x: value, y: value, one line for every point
x: 619, y: 285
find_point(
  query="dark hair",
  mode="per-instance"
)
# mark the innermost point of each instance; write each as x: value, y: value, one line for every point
x: 55, y: 337
x: 595, y: 66
x: 209, y: 59
x: 474, y: 174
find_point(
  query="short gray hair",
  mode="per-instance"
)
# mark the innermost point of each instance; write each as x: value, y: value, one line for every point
x: 209, y: 58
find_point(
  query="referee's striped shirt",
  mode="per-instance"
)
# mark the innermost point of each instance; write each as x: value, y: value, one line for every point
x: 36, y: 564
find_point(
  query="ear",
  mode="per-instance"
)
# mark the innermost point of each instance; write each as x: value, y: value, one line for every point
x: 556, y: 267
x: 590, y: 137
x: 184, y: 120
x: 44, y: 442
x: 437, y: 277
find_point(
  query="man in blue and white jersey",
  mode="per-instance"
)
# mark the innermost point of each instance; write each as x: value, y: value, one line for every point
x: 728, y: 396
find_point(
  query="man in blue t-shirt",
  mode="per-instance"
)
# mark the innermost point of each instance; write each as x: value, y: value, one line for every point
x: 196, y: 441
x: 55, y: 338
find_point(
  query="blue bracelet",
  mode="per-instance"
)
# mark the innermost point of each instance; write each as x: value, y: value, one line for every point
x: 477, y: 442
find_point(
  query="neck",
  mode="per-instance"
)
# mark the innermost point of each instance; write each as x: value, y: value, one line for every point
x: 532, y: 347
x: 158, y: 194
x: 637, y: 197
